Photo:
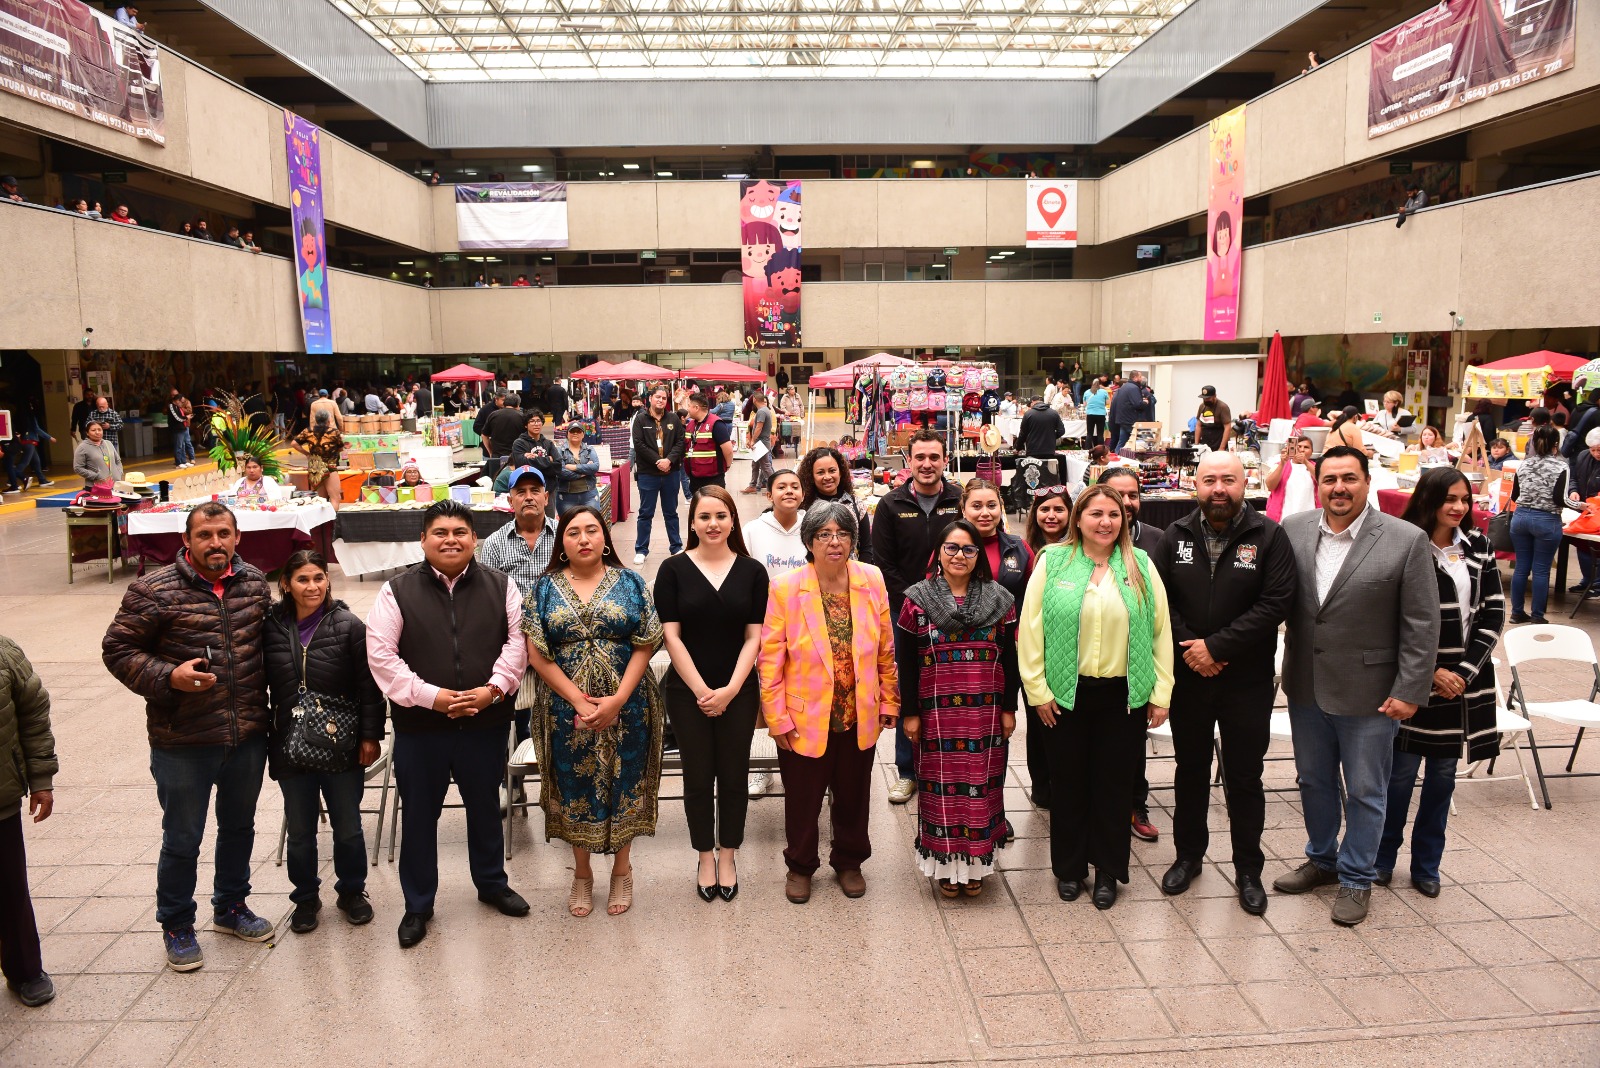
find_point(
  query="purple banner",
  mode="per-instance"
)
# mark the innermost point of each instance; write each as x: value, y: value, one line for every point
x: 304, y: 142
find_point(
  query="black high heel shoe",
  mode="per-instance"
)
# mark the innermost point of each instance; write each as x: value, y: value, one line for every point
x: 727, y: 893
x: 707, y: 893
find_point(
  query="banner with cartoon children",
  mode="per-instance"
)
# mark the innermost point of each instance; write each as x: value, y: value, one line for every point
x: 769, y: 260
x: 1224, y: 223
x: 303, y: 141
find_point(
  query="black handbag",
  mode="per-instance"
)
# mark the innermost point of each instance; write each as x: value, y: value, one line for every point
x: 1500, y: 533
x: 324, y: 730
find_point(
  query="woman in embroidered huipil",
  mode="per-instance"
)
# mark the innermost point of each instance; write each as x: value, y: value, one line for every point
x: 957, y: 656
x: 1095, y: 654
x: 598, y: 713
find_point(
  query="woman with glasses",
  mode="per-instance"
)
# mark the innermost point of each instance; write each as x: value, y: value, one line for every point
x: 957, y: 657
x: 1094, y: 649
x: 828, y: 686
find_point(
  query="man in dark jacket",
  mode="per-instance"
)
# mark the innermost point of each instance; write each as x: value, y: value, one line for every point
x: 533, y: 449
x: 556, y: 401
x: 907, y: 520
x: 1230, y: 577
x: 445, y: 643
x: 658, y: 445
x: 27, y: 769
x: 1133, y: 403
x: 504, y: 425
x: 1041, y: 430
x: 188, y: 639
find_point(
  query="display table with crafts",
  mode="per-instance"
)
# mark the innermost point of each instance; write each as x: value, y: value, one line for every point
x: 268, y: 533
x: 96, y: 533
x: 382, y: 537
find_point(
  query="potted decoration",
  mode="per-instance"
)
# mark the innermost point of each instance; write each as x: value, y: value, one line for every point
x: 236, y: 437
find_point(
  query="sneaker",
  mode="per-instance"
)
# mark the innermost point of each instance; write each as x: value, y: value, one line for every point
x: 1143, y: 829
x: 48, y: 482
x: 760, y: 783
x: 638, y: 559
x: 242, y: 923
x: 304, y: 920
x: 356, y: 908
x: 36, y: 991
x: 902, y: 791
x: 183, y: 951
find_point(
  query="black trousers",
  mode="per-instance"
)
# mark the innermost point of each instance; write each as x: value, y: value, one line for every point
x: 1096, y: 429
x: 1094, y: 749
x: 1242, y: 715
x: 715, y: 751
x: 697, y: 482
x: 19, y: 932
x: 424, y: 764
x: 1038, y: 746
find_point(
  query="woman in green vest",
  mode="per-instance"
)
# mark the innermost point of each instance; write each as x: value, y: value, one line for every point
x: 1095, y: 656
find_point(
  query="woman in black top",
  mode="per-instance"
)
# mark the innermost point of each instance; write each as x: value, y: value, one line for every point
x: 711, y: 691
x: 312, y: 638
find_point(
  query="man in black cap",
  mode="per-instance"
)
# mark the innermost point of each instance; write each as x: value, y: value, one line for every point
x: 8, y: 190
x: 1214, y: 422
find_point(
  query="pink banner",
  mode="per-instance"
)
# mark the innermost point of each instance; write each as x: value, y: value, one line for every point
x: 1224, y: 225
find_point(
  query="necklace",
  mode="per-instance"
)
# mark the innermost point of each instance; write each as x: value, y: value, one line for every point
x: 716, y: 575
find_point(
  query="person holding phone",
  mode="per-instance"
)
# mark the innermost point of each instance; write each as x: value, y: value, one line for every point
x: 189, y: 640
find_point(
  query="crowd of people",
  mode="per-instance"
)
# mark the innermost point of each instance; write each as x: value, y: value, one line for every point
x: 932, y: 622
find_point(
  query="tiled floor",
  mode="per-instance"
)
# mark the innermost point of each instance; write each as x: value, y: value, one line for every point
x: 1504, y: 967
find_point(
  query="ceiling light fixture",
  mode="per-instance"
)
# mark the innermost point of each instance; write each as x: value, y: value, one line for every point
x: 630, y: 166
x: 663, y: 174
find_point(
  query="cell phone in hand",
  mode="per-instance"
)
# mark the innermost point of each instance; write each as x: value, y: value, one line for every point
x: 208, y: 660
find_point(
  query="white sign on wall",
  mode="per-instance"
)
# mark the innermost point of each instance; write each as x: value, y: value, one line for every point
x: 1052, y: 220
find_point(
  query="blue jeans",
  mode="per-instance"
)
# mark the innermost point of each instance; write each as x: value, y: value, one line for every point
x: 424, y: 764
x: 1535, y: 535
x: 1361, y: 749
x: 301, y: 794
x: 576, y: 500
x: 182, y: 446
x: 653, y: 487
x: 1120, y: 432
x: 184, y: 777
x: 1433, y: 811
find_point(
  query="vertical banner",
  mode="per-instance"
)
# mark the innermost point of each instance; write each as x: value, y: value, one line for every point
x: 1052, y: 213
x: 67, y: 55
x: 1224, y: 225
x: 1459, y: 51
x: 769, y: 260
x: 304, y: 143
x: 511, y: 214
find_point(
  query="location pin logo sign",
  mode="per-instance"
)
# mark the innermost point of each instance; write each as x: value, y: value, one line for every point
x: 1052, y: 205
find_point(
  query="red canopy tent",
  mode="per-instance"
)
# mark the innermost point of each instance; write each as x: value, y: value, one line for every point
x: 1274, y: 385
x: 723, y: 371
x: 463, y: 372
x: 845, y: 376
x: 626, y: 371
x: 1561, y: 365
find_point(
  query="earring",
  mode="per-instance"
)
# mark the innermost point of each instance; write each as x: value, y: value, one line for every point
x: 563, y: 558
x: 606, y: 551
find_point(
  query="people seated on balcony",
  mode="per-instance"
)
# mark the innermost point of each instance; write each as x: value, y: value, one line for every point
x: 9, y: 190
x: 249, y: 242
x: 81, y: 207
x: 233, y: 238
x: 128, y: 15
x: 203, y: 232
x: 522, y: 282
x: 120, y: 215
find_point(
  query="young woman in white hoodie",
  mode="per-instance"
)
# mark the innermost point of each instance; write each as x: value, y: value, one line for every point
x: 773, y: 537
x: 773, y: 540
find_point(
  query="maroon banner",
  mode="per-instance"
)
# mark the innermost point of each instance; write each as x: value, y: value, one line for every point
x: 67, y: 55
x: 1460, y: 51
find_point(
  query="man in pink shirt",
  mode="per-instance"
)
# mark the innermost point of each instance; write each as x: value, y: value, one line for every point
x: 445, y: 643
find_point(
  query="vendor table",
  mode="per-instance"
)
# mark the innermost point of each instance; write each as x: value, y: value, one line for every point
x: 621, y: 491
x: 266, y: 539
x: 382, y: 539
x: 1162, y: 512
x: 93, y: 533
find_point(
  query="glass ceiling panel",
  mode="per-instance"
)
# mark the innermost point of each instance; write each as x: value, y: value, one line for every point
x: 467, y: 40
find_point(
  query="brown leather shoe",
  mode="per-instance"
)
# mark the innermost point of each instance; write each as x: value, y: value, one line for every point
x: 852, y: 883
x: 797, y: 888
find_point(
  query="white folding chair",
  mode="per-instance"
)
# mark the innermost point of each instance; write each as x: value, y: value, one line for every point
x: 1511, y: 726
x: 1547, y: 642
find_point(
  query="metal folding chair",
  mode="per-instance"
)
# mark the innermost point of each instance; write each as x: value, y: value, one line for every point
x: 381, y: 766
x: 1510, y: 725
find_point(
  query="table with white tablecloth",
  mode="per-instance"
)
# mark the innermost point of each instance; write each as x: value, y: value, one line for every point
x: 266, y: 538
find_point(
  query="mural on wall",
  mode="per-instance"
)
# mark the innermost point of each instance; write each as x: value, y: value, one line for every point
x: 143, y: 380
x: 1370, y: 200
x: 769, y: 263
x: 1370, y: 363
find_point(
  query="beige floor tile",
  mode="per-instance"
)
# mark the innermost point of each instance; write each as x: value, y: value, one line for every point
x: 67, y: 953
x: 1562, y: 936
x: 1379, y: 1000
x: 72, y: 880
x: 1091, y: 966
x: 137, y: 952
x: 1298, y: 913
x: 1067, y: 922
x: 1112, y: 1015
x: 1494, y: 943
x: 45, y: 1044
x: 1262, y: 958
x: 1336, y: 952
x: 1549, y: 987
x: 1210, y: 1010
x: 134, y: 1044
x: 1220, y: 917
x: 1409, y: 950
x: 1026, y: 1020
x: 1012, y: 970
x: 1291, y: 1005
x: 987, y: 928
x: 1516, y: 901
x: 1146, y: 920
x: 86, y: 998
x: 1469, y: 994
x: 181, y: 996
x: 103, y: 914
x: 1175, y: 962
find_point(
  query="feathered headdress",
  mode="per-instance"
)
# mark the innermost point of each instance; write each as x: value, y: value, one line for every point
x: 239, y: 437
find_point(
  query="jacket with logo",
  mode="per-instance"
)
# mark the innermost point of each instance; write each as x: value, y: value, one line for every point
x: 902, y: 535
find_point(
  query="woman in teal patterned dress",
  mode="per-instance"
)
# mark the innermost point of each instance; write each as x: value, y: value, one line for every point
x: 598, y: 713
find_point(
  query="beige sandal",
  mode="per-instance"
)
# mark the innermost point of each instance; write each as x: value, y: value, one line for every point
x: 621, y: 894
x: 581, y: 901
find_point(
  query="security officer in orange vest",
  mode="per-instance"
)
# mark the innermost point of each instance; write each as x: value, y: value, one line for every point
x: 708, y: 446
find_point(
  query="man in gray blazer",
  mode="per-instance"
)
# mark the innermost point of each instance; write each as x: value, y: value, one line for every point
x: 1363, y: 636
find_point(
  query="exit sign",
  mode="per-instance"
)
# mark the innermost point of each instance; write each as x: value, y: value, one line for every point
x: 952, y: 350
x: 1377, y: 317
x: 114, y: 177
x: 1400, y: 341
x: 952, y: 251
x: 1399, y: 166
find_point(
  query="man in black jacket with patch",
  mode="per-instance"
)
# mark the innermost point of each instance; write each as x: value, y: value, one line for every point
x: 1230, y: 575
x: 904, y: 525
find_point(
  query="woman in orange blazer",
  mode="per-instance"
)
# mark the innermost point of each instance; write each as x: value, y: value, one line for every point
x: 828, y: 686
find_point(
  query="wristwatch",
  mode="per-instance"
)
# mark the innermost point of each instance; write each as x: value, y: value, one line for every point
x: 499, y: 695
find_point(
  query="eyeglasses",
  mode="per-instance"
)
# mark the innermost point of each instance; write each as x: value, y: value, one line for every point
x: 966, y: 552
x: 833, y: 537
